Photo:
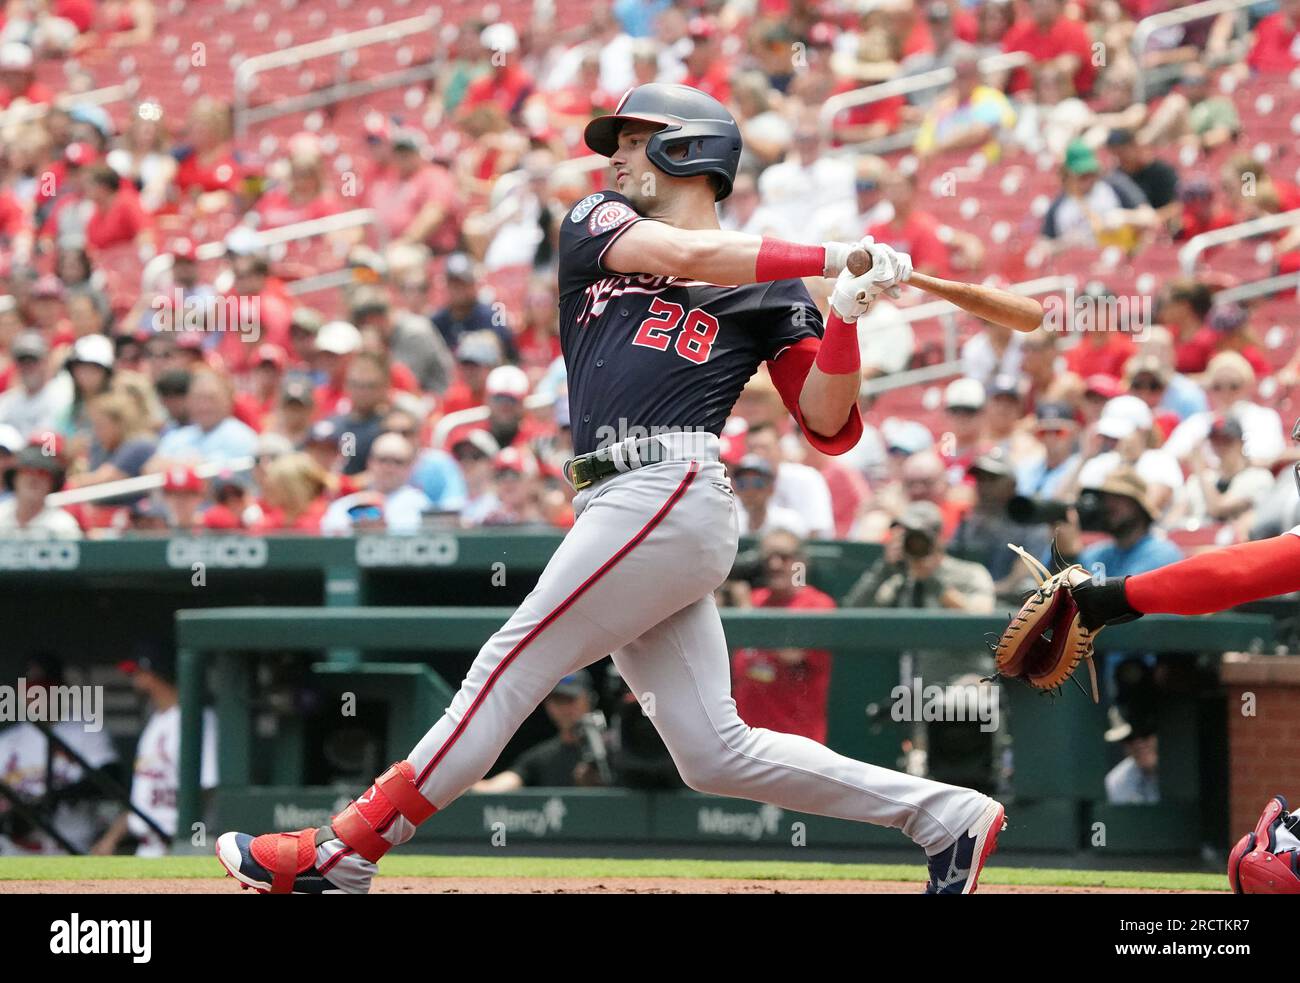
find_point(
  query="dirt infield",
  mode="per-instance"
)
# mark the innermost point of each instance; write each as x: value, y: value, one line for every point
x: 545, y: 885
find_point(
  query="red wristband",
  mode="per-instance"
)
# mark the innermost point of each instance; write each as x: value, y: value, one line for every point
x: 1219, y: 579
x: 781, y: 260
x: 839, y: 353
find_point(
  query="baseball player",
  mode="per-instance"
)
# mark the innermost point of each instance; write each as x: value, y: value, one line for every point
x: 663, y: 318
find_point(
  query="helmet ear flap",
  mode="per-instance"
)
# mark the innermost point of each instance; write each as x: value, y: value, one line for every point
x: 1244, y: 846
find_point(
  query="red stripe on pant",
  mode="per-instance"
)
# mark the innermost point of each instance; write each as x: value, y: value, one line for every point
x: 555, y: 613
x: 537, y: 630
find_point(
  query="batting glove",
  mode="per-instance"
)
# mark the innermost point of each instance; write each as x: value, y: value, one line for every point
x: 852, y: 296
x: 889, y: 268
x: 837, y: 254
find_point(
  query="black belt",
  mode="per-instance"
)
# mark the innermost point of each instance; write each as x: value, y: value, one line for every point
x: 586, y: 470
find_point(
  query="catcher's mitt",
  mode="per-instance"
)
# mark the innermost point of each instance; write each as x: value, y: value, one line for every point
x: 1047, y: 638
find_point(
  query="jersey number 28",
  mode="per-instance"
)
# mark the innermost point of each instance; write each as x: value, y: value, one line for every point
x: 696, y: 338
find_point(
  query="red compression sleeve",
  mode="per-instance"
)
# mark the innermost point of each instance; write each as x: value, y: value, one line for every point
x: 839, y: 353
x: 1219, y: 579
x: 781, y: 260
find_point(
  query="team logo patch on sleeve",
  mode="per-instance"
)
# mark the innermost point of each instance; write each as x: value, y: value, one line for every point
x: 608, y: 216
x: 581, y: 209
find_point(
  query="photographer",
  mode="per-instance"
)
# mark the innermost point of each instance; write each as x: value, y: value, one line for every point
x: 985, y: 531
x: 1124, y: 511
x: 917, y: 572
x: 566, y: 759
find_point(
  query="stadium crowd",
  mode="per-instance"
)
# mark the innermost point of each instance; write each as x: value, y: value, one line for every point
x: 428, y: 387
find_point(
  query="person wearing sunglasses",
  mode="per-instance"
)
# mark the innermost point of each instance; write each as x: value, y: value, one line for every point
x: 390, y: 503
x: 1230, y: 386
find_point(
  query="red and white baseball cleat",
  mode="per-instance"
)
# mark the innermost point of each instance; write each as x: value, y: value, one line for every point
x: 274, y: 863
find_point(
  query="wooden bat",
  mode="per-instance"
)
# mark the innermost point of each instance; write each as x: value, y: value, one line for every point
x: 999, y: 306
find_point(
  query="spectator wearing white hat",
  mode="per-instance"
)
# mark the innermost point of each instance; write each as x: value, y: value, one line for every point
x: 964, y: 412
x: 400, y: 507
x: 474, y: 450
x: 90, y: 363
x: 335, y: 344
x: 508, y: 419
x: 505, y: 84
x: 18, y: 82
x: 11, y: 442
x: 1126, y: 436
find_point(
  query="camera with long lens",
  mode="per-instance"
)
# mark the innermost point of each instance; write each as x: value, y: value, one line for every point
x: 917, y: 545
x: 1037, y: 511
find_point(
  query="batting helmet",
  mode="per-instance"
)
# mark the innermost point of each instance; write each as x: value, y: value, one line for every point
x: 687, y: 118
x: 1267, y: 860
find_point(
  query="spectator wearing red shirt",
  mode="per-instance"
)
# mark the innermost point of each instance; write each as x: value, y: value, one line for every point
x: 264, y: 297
x: 1200, y: 212
x: 506, y: 83
x: 303, y: 197
x: 1227, y: 329
x: 208, y: 162
x: 336, y: 343
x: 1047, y: 35
x: 294, y: 495
x: 417, y: 201
x: 477, y: 354
x: 1105, y: 343
x: 118, y: 217
x: 784, y: 689
x: 18, y: 76
x: 706, y: 68
x: 911, y: 230
x: 1276, y: 50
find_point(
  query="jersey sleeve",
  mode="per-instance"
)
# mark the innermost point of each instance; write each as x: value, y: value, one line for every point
x: 591, y: 227
x: 795, y: 329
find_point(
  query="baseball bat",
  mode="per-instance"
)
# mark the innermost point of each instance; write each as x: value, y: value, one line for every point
x: 999, y: 306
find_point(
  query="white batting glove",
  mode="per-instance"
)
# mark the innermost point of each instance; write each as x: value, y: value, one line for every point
x: 837, y: 254
x: 889, y: 268
x: 852, y: 296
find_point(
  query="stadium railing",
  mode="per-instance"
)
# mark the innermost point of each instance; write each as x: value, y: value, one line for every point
x: 29, y: 112
x: 270, y: 239
x: 906, y: 85
x: 947, y: 312
x: 1196, y: 246
x: 344, y: 45
x: 1148, y: 26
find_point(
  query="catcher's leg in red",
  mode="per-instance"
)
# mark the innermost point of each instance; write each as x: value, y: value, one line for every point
x: 634, y: 557
x: 681, y: 673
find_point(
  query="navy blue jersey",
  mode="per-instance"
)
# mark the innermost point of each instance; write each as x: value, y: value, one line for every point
x: 650, y: 353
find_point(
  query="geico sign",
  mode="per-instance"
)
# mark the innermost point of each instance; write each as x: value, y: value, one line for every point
x: 39, y: 556
x: 221, y: 551
x: 407, y: 551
